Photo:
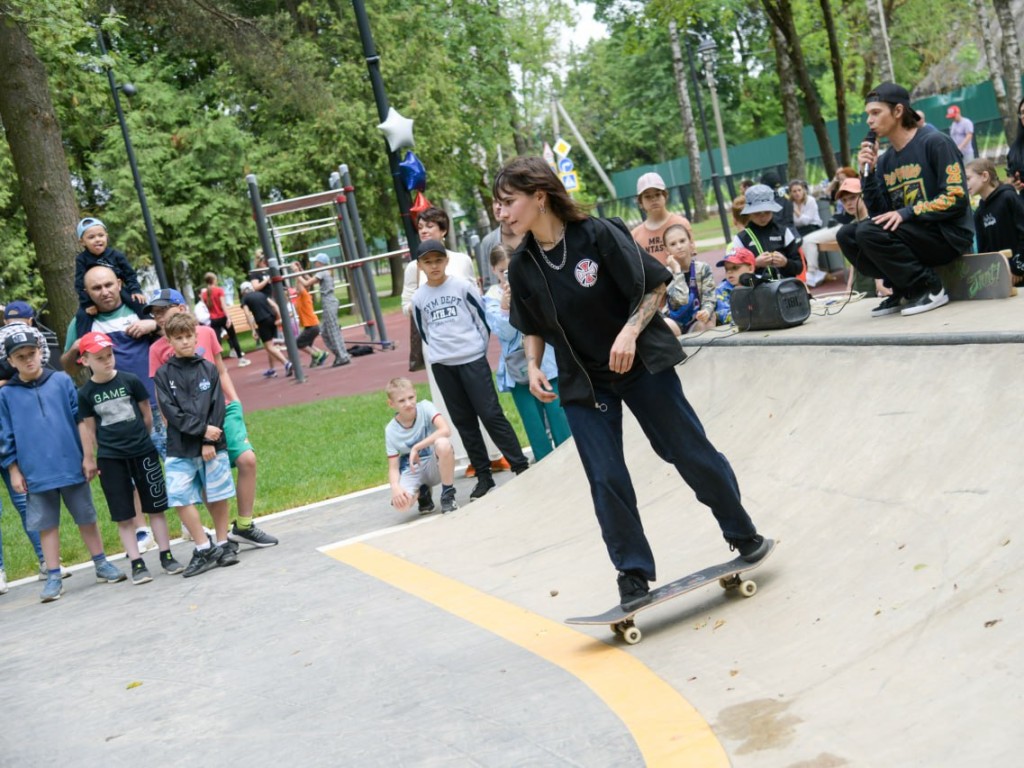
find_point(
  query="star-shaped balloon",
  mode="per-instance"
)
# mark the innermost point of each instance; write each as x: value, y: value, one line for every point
x: 413, y: 173
x: 419, y: 205
x: 397, y: 130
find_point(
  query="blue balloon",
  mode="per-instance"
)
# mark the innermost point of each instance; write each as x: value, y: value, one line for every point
x: 413, y: 173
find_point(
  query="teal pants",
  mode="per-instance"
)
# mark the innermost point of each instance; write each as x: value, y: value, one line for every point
x: 538, y: 417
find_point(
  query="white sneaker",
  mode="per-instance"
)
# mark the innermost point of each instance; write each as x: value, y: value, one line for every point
x: 244, y: 362
x: 3, y: 582
x: 145, y: 539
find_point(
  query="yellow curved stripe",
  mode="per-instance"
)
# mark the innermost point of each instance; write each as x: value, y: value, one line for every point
x: 667, y: 729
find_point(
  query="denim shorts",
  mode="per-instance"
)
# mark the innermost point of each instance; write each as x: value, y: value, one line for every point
x: 186, y: 479
x: 43, y: 507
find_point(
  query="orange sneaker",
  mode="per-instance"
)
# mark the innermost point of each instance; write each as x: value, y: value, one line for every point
x: 470, y: 471
x: 500, y: 465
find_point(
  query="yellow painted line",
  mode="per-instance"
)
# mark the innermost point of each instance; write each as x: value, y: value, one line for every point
x: 667, y: 729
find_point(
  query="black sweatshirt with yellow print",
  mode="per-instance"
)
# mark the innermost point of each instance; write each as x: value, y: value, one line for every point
x: 924, y: 181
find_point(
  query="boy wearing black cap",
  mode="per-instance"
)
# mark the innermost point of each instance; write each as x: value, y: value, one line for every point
x: 450, y: 317
x: 916, y: 195
x: 42, y: 402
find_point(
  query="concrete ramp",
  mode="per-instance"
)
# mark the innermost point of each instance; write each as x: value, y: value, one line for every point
x: 887, y: 626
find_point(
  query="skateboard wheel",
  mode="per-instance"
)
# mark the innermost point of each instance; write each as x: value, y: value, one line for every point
x: 631, y: 635
x: 748, y: 588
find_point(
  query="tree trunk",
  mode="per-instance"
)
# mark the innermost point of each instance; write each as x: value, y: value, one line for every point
x: 780, y: 12
x: 1011, y: 51
x: 837, y: 77
x: 790, y: 108
x: 33, y: 134
x: 879, y: 44
x: 1007, y: 110
x: 700, y: 208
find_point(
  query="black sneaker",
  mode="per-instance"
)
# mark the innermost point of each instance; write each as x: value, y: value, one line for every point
x: 484, y: 484
x: 931, y: 298
x: 171, y: 566
x: 633, y: 589
x: 426, y: 499
x: 448, y: 502
x: 227, y: 554
x: 519, y: 469
x: 251, y: 535
x: 202, y: 561
x: 140, y: 573
x: 889, y: 306
x: 752, y: 549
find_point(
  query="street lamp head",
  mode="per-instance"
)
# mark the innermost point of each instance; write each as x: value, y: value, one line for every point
x: 707, y: 46
x: 128, y: 89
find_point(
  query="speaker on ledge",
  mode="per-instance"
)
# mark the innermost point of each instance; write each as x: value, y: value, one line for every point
x: 769, y: 306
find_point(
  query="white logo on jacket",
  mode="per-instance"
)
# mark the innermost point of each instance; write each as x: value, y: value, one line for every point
x: 586, y: 273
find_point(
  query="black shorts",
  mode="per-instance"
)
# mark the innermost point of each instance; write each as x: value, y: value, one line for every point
x: 267, y: 330
x: 120, y: 477
x: 307, y: 336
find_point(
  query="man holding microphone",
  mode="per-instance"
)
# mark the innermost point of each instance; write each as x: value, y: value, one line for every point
x: 916, y: 195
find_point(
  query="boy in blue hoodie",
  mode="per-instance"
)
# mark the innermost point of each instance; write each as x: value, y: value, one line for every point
x: 38, y: 402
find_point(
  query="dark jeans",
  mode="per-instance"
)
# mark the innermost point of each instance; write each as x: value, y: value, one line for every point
x: 221, y: 323
x: 677, y: 436
x: 468, y: 389
x: 904, y: 257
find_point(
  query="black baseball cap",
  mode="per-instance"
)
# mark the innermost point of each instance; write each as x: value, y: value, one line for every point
x: 20, y: 339
x: 430, y: 246
x: 890, y: 93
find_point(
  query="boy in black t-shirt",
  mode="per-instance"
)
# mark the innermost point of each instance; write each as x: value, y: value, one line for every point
x: 264, y: 316
x: 115, y: 440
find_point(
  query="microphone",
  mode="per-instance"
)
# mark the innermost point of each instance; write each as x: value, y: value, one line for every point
x: 871, y: 138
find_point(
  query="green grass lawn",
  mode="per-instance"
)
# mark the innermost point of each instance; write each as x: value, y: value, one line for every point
x: 306, y: 453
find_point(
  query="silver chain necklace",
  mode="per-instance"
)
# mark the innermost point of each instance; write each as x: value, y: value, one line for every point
x: 565, y: 252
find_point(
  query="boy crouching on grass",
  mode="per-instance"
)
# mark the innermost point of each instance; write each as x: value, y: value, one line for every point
x: 41, y: 448
x: 420, y: 455
x: 115, y: 427
x: 190, y: 398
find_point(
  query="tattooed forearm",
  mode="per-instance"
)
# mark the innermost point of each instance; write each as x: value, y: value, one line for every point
x: 648, y: 308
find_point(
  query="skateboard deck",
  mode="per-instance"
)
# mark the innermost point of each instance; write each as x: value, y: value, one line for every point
x: 728, y: 576
x: 978, y: 276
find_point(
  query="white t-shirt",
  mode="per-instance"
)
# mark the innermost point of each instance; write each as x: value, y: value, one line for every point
x: 398, y: 440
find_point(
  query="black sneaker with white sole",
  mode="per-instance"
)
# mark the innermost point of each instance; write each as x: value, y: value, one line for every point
x: 484, y: 484
x: 202, y: 561
x: 890, y: 306
x: 633, y: 590
x: 257, y: 537
x: 426, y: 500
x: 931, y: 298
x: 752, y: 549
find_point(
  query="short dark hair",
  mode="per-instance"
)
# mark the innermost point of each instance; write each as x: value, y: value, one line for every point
x: 180, y: 324
x: 533, y: 174
x: 438, y: 216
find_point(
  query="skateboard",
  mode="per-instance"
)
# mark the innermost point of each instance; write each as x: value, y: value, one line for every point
x: 728, y: 575
x: 978, y: 276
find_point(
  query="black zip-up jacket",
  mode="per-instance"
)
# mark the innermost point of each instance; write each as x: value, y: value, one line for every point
x: 999, y: 222
x: 188, y: 391
x: 533, y: 312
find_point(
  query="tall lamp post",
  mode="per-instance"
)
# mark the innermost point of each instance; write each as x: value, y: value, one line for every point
x: 707, y: 143
x: 707, y: 50
x: 381, y: 97
x: 129, y: 90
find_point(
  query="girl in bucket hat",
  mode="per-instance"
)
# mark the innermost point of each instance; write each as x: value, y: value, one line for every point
x: 776, y: 247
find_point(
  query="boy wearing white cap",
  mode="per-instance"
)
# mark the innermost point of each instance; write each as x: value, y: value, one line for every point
x: 652, y: 197
x: 92, y: 233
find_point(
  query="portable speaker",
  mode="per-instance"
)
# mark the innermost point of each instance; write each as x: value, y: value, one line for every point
x: 770, y: 306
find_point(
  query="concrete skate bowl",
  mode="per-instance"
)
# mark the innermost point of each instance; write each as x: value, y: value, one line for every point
x: 886, y: 630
